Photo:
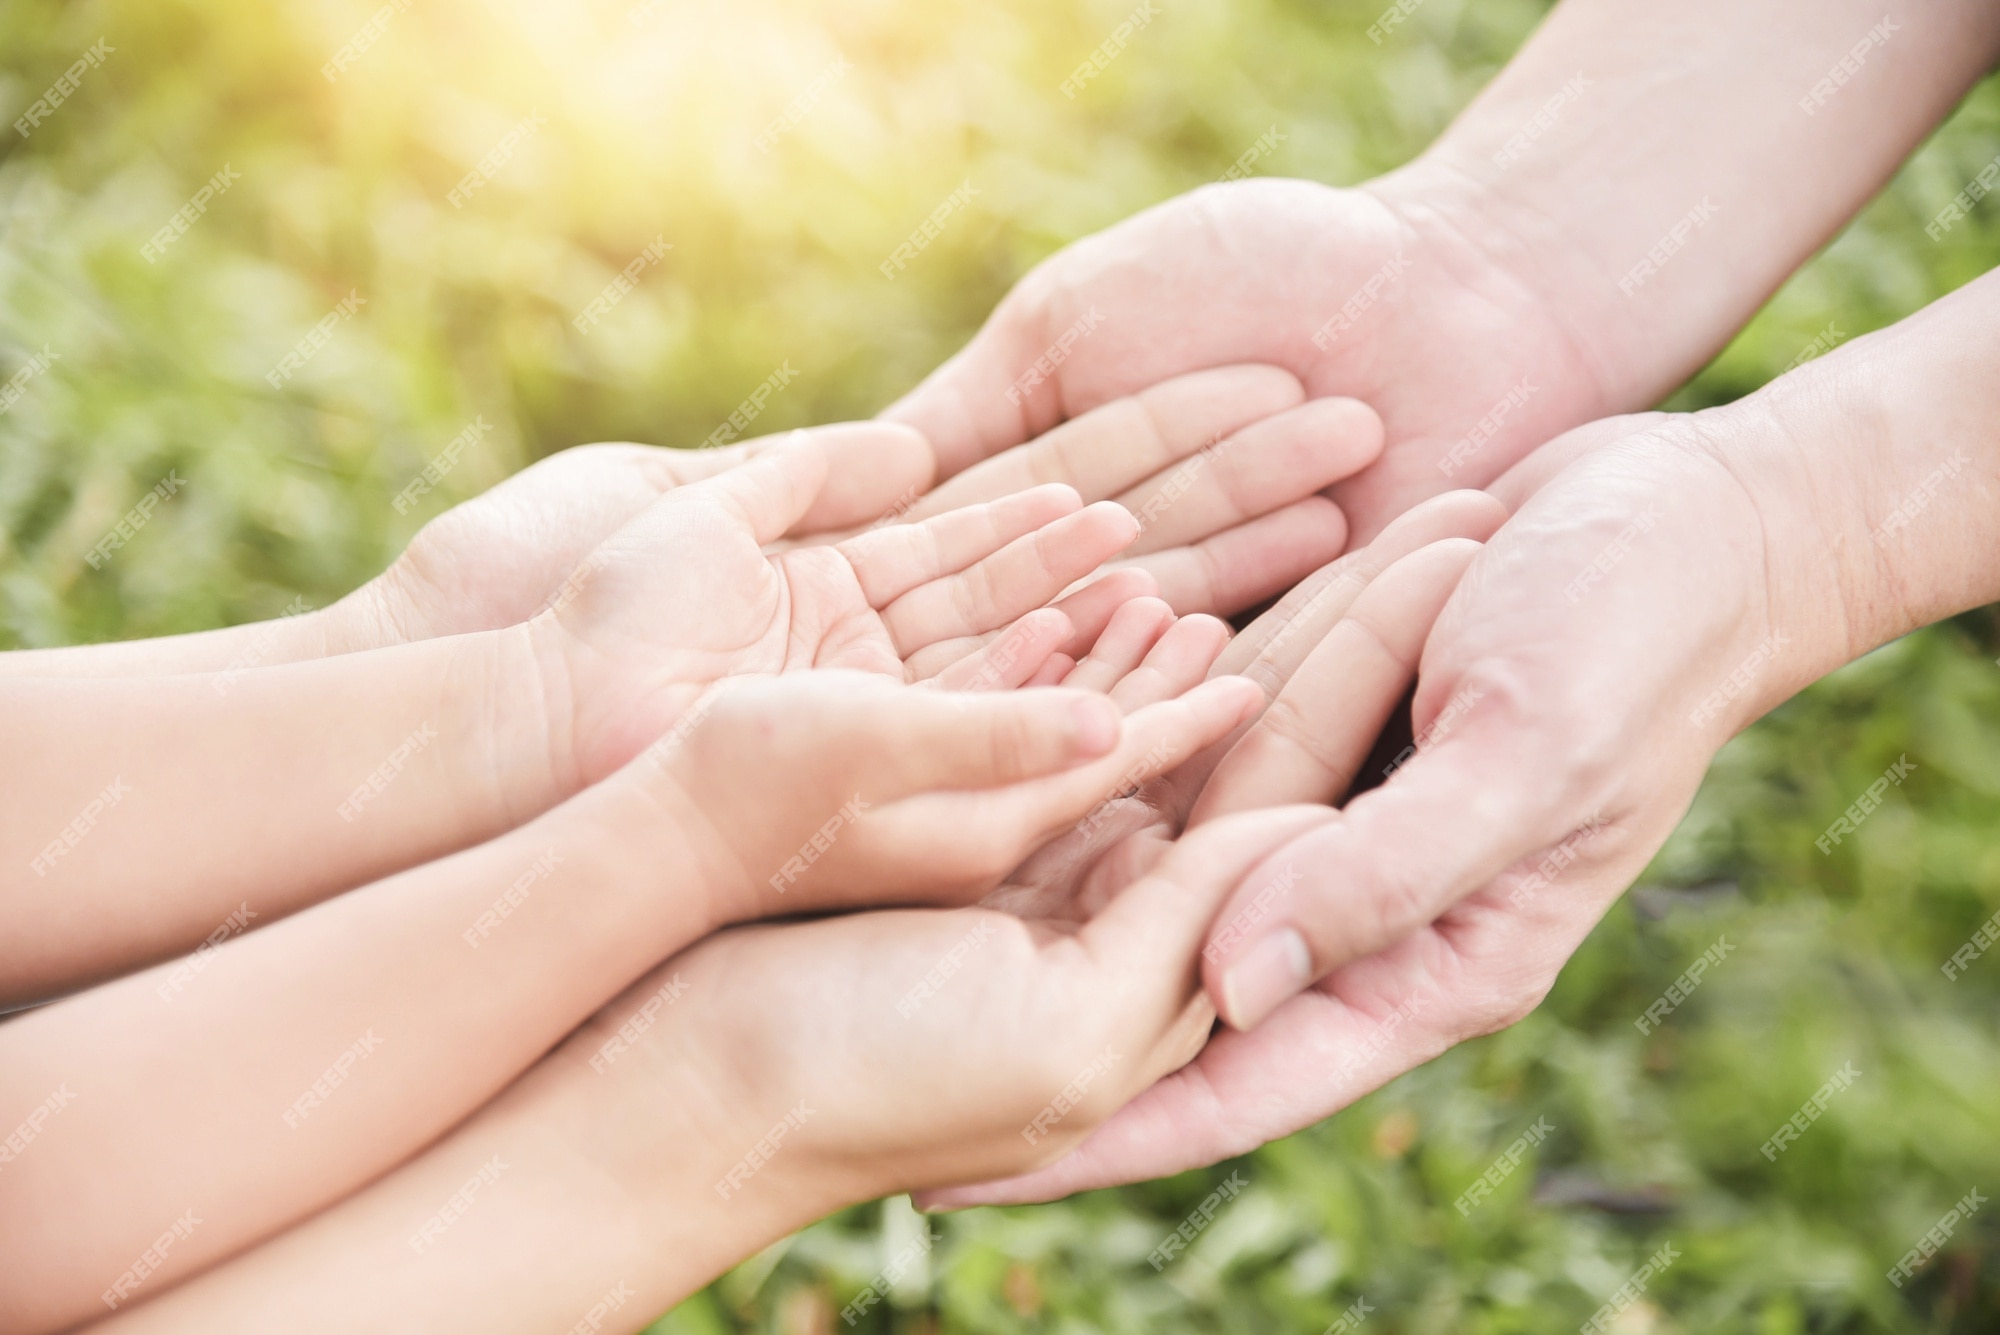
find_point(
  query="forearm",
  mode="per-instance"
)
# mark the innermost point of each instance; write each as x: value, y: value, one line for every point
x: 1876, y: 474
x: 586, y: 1192
x: 365, y: 619
x: 1654, y: 172
x: 258, y: 1082
x: 141, y: 812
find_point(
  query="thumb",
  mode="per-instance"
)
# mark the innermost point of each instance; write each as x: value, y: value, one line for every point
x: 1453, y: 818
x: 989, y: 396
x: 1145, y: 940
x: 769, y: 494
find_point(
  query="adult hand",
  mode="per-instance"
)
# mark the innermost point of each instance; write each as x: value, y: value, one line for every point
x: 1508, y: 284
x: 1365, y: 293
x: 1636, y: 612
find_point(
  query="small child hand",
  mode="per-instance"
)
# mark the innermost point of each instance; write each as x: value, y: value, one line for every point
x: 685, y: 594
x: 831, y: 789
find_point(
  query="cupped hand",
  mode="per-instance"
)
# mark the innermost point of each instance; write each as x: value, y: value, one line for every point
x: 826, y: 790
x: 1220, y: 468
x: 1633, y: 615
x: 685, y: 594
x: 1383, y: 294
x: 496, y: 560
x: 932, y: 1046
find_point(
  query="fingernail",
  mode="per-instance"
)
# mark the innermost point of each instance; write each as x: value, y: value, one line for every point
x: 1265, y: 977
x: 1095, y: 722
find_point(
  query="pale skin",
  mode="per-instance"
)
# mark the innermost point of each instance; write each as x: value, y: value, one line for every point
x: 1843, y: 505
x: 211, y: 1088
x: 469, y: 735
x: 634, y: 1155
x: 1523, y: 265
x: 496, y: 560
x: 907, y: 600
x: 1426, y: 915
x: 464, y: 720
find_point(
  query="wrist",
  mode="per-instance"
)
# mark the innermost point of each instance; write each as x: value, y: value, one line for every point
x: 715, y: 1156
x: 1497, y: 238
x: 508, y: 752
x: 1877, y: 463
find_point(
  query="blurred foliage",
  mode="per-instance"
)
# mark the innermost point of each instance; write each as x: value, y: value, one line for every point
x: 647, y: 120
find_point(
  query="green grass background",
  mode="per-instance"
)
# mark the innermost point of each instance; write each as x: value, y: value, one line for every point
x: 651, y: 116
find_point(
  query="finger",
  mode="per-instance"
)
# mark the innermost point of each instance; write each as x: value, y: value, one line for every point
x: 1023, y: 575
x: 1274, y: 645
x: 1089, y: 610
x: 1151, y: 931
x: 1052, y: 672
x: 873, y: 469
x: 1454, y: 817
x: 1130, y: 635
x: 770, y: 493
x: 1262, y: 467
x: 1308, y: 746
x: 1091, y: 607
x: 1483, y: 966
x: 891, y: 560
x: 959, y: 849
x: 895, y: 740
x: 1242, y: 566
x: 1155, y: 739
x: 1180, y: 659
x: 1117, y: 446
x: 1013, y: 657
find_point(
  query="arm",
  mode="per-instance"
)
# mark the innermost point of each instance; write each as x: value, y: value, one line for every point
x: 496, y: 560
x: 259, y: 1083
x: 1481, y: 305
x: 880, y: 1052
x: 137, y: 821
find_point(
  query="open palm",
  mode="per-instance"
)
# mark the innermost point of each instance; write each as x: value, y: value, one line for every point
x: 685, y: 594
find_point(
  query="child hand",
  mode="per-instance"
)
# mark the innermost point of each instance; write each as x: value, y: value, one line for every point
x: 685, y: 594
x: 908, y: 1049
x: 829, y: 789
x: 1243, y: 432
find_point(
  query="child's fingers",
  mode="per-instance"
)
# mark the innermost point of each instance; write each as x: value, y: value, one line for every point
x: 893, y: 559
x: 1088, y: 610
x: 1242, y: 566
x: 1128, y: 637
x: 1156, y: 738
x: 1273, y: 646
x: 1023, y: 575
x: 945, y: 846
x: 886, y: 741
x: 1013, y: 657
x: 1263, y: 467
x: 1308, y: 746
x: 1091, y: 605
x: 1180, y: 659
x: 950, y: 845
x: 1118, y: 445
